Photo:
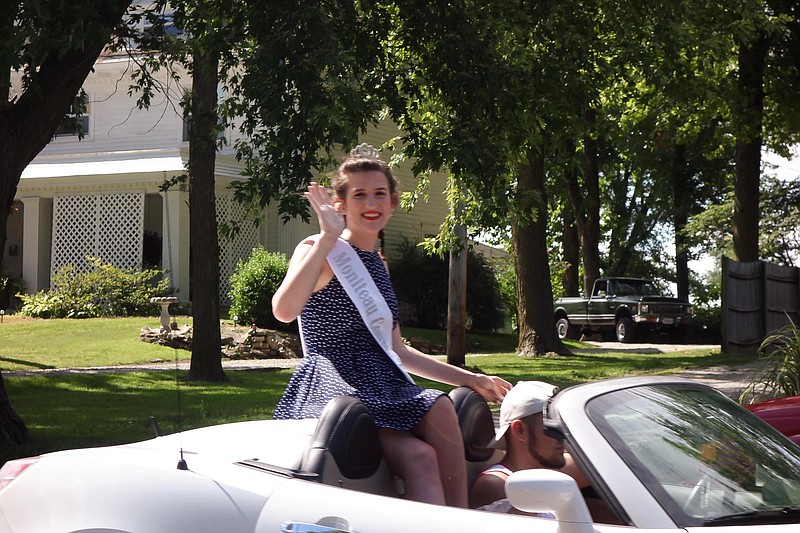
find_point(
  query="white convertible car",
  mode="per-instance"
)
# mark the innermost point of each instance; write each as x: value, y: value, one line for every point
x: 663, y: 454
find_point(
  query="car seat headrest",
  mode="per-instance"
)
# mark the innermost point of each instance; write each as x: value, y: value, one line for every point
x: 347, y: 432
x: 476, y: 422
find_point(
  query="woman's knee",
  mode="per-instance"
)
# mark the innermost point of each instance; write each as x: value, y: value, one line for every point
x: 411, y: 456
x: 422, y: 460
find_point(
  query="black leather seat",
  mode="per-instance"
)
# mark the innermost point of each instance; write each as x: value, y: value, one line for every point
x: 477, y: 430
x: 345, y: 450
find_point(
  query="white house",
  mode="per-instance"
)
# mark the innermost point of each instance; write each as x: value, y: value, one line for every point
x: 100, y: 196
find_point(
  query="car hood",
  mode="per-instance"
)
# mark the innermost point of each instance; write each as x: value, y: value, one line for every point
x: 275, y: 442
x: 781, y: 413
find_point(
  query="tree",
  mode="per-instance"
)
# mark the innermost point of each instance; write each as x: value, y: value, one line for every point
x: 216, y: 32
x: 537, y: 333
x: 780, y: 215
x: 293, y: 100
x: 457, y: 300
x: 206, y: 363
x: 471, y: 76
x: 54, y: 51
x: 205, y: 30
x: 748, y: 121
x: 764, y: 104
x: 584, y: 198
x: 310, y: 82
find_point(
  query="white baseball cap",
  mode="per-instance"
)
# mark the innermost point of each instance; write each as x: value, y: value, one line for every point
x: 526, y: 398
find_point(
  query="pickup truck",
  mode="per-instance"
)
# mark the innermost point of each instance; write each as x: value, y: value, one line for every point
x: 625, y: 306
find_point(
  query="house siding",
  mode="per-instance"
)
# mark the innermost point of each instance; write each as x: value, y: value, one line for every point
x: 130, y: 149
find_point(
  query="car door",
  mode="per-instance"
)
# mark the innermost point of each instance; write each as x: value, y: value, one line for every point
x: 303, y: 506
x: 599, y: 307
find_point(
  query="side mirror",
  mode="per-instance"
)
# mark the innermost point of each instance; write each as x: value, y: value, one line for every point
x: 550, y: 491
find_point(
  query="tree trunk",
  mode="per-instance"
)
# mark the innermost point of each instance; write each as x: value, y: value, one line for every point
x: 590, y: 237
x: 570, y: 240
x: 570, y: 237
x: 206, y: 362
x: 680, y: 207
x: 586, y: 206
x: 537, y: 329
x: 748, y: 119
x: 12, y: 428
x: 27, y: 124
x: 457, y: 301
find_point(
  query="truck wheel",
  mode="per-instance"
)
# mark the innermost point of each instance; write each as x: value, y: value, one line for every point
x: 565, y: 329
x: 625, y: 331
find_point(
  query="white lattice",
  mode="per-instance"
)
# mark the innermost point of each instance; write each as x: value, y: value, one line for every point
x: 107, y: 226
x: 74, y: 225
x: 121, y: 228
x: 232, y: 250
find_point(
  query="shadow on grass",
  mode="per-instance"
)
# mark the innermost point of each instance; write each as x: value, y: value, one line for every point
x: 581, y: 351
x: 82, y: 410
x: 22, y: 362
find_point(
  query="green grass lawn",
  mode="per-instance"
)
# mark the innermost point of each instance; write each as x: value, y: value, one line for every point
x: 30, y: 344
x: 78, y: 410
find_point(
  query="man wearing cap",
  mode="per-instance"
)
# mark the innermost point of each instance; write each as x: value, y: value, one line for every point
x: 521, y: 434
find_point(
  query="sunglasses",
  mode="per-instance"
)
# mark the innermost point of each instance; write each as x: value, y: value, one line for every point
x: 551, y: 427
x: 554, y: 433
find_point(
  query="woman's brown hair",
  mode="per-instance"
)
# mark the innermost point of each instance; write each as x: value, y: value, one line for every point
x: 354, y: 165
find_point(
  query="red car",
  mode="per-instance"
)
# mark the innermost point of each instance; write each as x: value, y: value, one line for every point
x: 781, y: 413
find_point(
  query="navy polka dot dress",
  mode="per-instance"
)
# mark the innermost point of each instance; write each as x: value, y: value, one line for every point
x: 342, y: 357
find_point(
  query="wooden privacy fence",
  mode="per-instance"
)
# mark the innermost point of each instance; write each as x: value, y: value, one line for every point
x: 757, y: 299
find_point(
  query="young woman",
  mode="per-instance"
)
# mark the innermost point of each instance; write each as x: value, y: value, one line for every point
x: 417, y: 427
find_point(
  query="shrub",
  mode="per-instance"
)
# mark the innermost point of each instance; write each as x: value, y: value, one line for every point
x: 707, y: 323
x: 10, y: 285
x: 252, y: 285
x: 781, y: 376
x: 507, y: 284
x: 421, y: 284
x: 420, y: 281
x: 105, y: 290
x: 485, y: 306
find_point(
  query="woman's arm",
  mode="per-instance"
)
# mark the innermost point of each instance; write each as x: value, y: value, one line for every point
x: 302, y: 278
x: 492, y: 388
x: 308, y: 270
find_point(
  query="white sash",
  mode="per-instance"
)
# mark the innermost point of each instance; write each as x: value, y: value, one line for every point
x: 371, y: 305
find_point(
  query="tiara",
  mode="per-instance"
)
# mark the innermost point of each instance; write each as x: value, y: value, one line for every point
x: 365, y: 150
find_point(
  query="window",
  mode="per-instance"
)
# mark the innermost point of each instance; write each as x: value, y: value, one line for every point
x: 600, y: 288
x: 160, y: 25
x: 153, y: 25
x: 699, y: 455
x: 76, y: 119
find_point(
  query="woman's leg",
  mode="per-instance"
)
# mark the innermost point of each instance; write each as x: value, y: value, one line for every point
x: 415, y: 462
x: 439, y: 428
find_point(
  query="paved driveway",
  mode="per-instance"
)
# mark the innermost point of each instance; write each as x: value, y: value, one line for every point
x: 730, y: 379
x: 648, y: 347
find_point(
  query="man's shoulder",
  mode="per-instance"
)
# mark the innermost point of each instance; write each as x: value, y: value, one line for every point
x: 489, y: 486
x: 498, y: 470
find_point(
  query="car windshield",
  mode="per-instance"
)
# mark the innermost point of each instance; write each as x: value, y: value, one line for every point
x: 634, y: 287
x: 705, y: 459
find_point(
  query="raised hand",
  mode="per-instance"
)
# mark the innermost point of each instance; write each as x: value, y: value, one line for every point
x: 330, y: 220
